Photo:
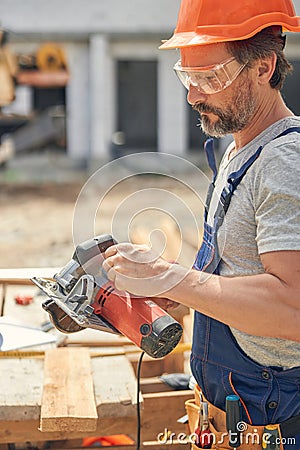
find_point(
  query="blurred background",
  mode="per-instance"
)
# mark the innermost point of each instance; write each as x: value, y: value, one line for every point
x: 87, y: 78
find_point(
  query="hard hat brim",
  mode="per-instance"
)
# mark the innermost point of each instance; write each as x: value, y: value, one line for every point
x: 204, y: 35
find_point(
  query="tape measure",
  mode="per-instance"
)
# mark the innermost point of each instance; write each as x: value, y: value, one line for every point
x: 40, y: 354
x: 21, y: 354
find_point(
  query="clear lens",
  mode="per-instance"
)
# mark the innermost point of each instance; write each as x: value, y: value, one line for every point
x: 209, y: 80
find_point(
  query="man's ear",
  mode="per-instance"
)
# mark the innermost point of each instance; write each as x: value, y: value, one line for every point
x: 266, y: 68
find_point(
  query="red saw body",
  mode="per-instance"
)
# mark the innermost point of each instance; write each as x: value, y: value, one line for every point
x: 82, y: 297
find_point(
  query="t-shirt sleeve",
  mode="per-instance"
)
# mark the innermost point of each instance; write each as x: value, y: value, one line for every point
x: 277, y: 198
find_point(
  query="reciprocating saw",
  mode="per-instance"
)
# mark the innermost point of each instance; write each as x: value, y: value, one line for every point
x: 81, y: 296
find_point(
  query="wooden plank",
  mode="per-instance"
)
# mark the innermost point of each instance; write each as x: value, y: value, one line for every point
x: 68, y: 402
x: 2, y: 298
x: 150, y: 367
x: 153, y: 384
x: 21, y: 389
x: 14, y: 431
x: 22, y: 383
x: 161, y: 411
x: 155, y: 367
x: 115, y: 386
x: 174, y: 363
x: 94, y: 338
x: 4, y: 447
x: 23, y: 275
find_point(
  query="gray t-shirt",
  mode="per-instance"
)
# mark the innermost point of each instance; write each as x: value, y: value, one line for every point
x: 263, y: 216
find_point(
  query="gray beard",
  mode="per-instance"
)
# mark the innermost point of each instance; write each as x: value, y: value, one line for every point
x: 231, y: 119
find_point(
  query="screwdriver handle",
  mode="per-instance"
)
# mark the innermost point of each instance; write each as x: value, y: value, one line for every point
x: 270, y: 440
x: 233, y: 417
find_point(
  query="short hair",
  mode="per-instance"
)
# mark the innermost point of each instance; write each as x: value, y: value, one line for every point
x: 261, y: 45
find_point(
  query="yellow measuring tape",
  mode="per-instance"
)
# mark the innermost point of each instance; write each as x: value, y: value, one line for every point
x: 21, y: 354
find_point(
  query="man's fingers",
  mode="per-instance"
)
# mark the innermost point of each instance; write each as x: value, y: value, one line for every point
x: 111, y: 251
x: 108, y: 264
x: 111, y: 274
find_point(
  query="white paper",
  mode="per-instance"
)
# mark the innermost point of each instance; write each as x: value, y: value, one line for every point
x: 14, y: 336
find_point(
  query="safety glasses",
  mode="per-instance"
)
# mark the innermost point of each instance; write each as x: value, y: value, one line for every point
x: 210, y: 79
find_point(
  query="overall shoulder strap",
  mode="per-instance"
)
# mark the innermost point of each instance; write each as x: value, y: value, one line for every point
x: 210, y: 156
x: 235, y: 178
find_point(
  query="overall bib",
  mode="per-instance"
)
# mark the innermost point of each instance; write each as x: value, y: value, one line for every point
x: 271, y: 395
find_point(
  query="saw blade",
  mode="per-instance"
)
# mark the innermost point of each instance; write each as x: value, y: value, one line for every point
x: 65, y: 319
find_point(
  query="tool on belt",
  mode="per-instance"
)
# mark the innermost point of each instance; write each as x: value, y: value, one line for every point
x: 81, y: 296
x: 233, y: 419
x: 202, y: 432
x: 271, y: 438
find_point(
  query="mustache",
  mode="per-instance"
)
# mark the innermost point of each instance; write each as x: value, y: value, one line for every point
x: 203, y: 108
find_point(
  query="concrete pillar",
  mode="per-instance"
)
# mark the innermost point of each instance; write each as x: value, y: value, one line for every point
x: 102, y: 97
x: 77, y: 101
x: 23, y: 102
x: 172, y: 110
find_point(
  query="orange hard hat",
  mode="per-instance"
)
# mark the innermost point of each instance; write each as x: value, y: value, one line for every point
x: 210, y: 21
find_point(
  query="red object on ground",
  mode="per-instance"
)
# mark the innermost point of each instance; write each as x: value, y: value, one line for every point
x: 107, y: 441
x: 23, y: 299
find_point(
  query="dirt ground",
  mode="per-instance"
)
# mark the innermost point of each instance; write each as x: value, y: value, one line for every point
x: 37, y: 219
x: 36, y: 224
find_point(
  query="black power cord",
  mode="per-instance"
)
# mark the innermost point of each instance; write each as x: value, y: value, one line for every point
x: 138, y: 411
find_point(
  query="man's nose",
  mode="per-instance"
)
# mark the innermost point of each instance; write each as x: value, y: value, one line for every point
x: 195, y: 96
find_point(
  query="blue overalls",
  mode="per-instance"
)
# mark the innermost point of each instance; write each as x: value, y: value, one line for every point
x: 272, y: 395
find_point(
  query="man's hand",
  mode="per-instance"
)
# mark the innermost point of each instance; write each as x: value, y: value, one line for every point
x: 140, y: 270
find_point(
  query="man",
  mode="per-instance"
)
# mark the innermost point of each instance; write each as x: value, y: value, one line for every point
x: 246, y: 331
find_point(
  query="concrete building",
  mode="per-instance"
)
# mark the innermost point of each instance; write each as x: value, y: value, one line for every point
x: 119, y: 80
